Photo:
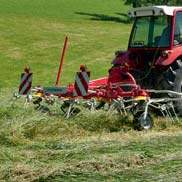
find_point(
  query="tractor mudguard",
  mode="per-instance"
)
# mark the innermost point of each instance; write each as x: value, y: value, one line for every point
x: 120, y: 56
x: 169, y: 56
x: 124, y: 58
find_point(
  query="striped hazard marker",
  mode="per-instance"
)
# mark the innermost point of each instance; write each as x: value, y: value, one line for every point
x: 25, y: 83
x: 81, y: 83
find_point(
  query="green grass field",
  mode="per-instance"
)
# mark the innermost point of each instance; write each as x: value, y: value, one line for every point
x: 33, y: 33
x: 96, y: 146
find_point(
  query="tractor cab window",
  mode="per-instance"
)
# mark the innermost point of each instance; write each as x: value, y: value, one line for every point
x: 178, y: 29
x: 151, y: 31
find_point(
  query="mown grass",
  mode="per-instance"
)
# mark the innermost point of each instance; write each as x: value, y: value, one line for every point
x: 120, y: 158
x: 98, y: 146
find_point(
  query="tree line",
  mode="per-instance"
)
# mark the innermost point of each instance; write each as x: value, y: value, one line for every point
x: 140, y: 3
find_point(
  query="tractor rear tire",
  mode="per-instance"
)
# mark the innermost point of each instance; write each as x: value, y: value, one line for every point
x: 171, y: 79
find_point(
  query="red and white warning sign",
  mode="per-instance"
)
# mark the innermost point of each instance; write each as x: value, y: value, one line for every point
x: 25, y: 83
x: 81, y: 83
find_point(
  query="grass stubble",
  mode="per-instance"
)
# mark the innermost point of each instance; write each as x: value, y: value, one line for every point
x: 96, y: 146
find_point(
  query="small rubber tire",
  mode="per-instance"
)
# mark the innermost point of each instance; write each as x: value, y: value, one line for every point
x: 140, y: 123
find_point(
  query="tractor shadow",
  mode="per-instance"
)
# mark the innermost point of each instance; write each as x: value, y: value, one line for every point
x: 123, y: 18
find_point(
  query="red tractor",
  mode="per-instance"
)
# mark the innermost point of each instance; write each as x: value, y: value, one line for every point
x: 154, y: 54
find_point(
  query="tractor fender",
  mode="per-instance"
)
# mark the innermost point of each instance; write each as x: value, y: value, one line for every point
x: 167, y: 57
x: 120, y: 56
x: 124, y: 58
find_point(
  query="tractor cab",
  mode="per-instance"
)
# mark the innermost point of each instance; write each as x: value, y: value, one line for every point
x: 156, y: 27
x: 155, y: 30
x: 151, y: 32
x: 155, y: 42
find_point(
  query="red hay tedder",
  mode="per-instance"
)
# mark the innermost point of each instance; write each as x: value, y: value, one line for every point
x: 147, y: 76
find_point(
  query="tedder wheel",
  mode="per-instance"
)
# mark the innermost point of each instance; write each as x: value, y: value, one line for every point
x: 140, y: 123
x: 171, y: 79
